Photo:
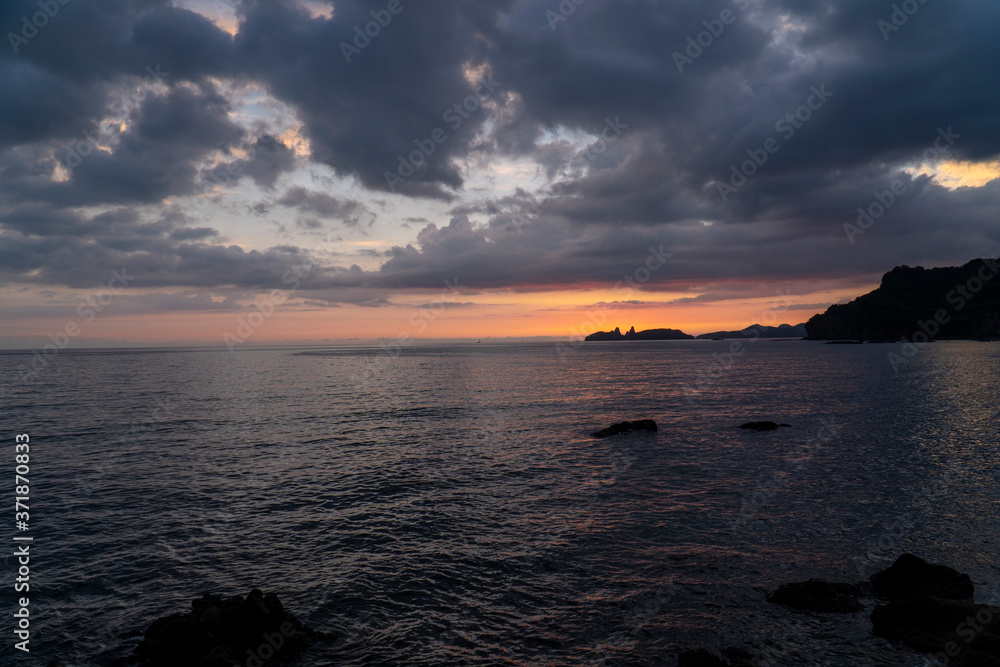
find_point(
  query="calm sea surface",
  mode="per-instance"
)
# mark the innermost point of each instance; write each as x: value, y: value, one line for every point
x: 448, y: 506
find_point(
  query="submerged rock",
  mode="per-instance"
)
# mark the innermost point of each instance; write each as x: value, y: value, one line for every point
x: 818, y: 596
x: 625, y: 427
x: 911, y: 576
x: 764, y: 426
x: 221, y: 632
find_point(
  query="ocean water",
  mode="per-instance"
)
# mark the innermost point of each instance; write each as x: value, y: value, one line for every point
x: 448, y: 506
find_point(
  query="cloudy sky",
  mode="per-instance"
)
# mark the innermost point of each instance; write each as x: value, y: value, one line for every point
x: 442, y: 168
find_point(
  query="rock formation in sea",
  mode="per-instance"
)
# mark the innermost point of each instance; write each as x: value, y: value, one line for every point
x: 632, y: 334
x: 626, y: 427
x: 223, y: 632
x: 764, y: 426
x: 819, y: 596
x: 930, y: 609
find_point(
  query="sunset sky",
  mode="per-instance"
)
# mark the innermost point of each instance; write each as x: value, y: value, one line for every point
x: 343, y: 169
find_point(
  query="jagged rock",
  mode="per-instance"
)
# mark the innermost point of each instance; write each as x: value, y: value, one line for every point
x: 818, y: 596
x: 948, y: 627
x: 911, y: 576
x: 700, y: 658
x: 221, y: 632
x: 731, y: 657
x: 764, y: 426
x: 626, y: 427
x: 632, y: 334
x: 739, y: 657
x: 972, y: 658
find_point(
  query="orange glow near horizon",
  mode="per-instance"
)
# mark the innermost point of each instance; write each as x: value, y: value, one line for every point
x: 492, y: 315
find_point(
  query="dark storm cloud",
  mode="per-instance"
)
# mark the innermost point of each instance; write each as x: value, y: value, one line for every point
x: 161, y: 252
x: 847, y: 102
x: 95, y: 60
x: 361, y: 116
x: 267, y: 159
x: 348, y: 211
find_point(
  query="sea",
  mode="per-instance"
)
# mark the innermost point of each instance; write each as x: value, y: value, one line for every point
x: 447, y: 504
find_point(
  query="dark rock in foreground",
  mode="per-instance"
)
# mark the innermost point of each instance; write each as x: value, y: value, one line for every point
x: 626, y: 427
x: 732, y: 657
x: 764, y: 426
x: 818, y: 596
x: 221, y: 632
x: 700, y: 658
x: 947, y: 627
x: 911, y: 576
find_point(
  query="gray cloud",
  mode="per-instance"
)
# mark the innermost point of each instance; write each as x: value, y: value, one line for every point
x: 348, y: 211
x: 592, y: 220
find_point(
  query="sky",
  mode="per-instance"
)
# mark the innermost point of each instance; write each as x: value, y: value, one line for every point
x: 241, y: 172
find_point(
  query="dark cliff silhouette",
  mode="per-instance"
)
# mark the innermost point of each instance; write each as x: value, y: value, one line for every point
x: 949, y: 302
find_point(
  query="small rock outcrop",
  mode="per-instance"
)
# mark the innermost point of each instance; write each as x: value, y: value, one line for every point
x: 626, y: 427
x: 764, y: 426
x: 818, y: 596
x: 911, y: 576
x: 220, y: 632
x: 731, y: 657
x: 951, y: 627
x: 700, y: 658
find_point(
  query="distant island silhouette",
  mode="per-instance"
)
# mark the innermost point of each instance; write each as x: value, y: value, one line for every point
x: 755, y: 331
x: 954, y: 302
x: 632, y: 334
x: 761, y: 331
